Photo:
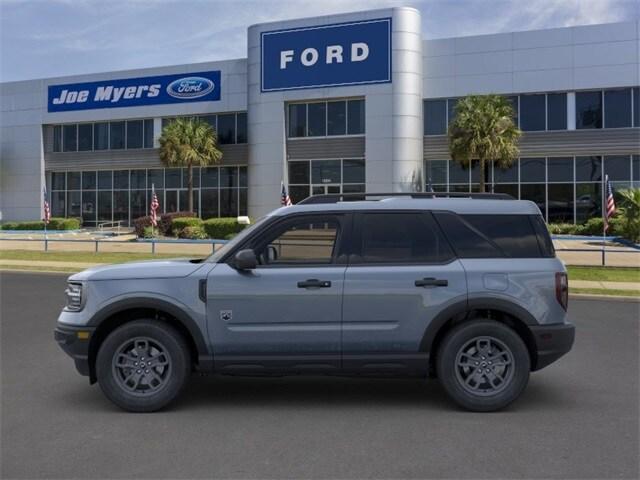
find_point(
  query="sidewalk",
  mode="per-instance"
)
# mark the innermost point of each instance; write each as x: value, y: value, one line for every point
x: 604, y: 285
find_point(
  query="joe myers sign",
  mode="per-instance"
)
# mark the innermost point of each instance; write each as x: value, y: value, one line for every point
x: 352, y: 53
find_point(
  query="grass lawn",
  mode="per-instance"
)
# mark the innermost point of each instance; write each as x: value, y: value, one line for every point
x: 604, y: 274
x: 608, y: 292
x: 81, y: 257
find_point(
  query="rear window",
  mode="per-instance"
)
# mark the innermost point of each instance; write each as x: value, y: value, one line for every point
x: 487, y: 236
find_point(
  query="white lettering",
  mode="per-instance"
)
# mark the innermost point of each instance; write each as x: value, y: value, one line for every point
x: 83, y: 95
x: 154, y: 90
x: 103, y: 94
x: 141, y: 89
x: 61, y: 99
x: 71, y: 97
x: 117, y: 94
x: 359, y: 51
x: 334, y: 51
x: 309, y: 57
x: 129, y: 92
x: 286, y: 56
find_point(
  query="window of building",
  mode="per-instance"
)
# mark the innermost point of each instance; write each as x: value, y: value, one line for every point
x: 402, y: 238
x: 560, y: 204
x: 105, y: 180
x: 326, y: 171
x: 89, y: 180
x: 57, y: 138
x: 618, y: 167
x: 506, y: 175
x: 85, y: 137
x: 536, y: 193
x: 435, y: 172
x: 513, y: 100
x: 514, y: 235
x: 457, y: 173
x: 636, y: 107
x: 101, y: 136
x: 556, y: 111
x: 58, y: 181
x: 532, y: 169
x: 588, y: 201
x: 589, y: 109
x: 317, y: 119
x: 533, y: 112
x: 336, y: 118
x: 116, y: 135
x: 299, y: 173
x: 135, y: 133
x: 227, y: 128
x: 241, y: 127
x: 588, y: 169
x: 560, y: 169
x: 70, y: 137
x: 298, y: 120
x: 74, y: 204
x: 148, y: 133
x: 635, y: 160
x: 155, y: 178
x: 353, y: 171
x: 73, y: 181
x: 617, y: 108
x: 452, y: 103
x: 355, y: 117
x: 121, y: 179
x: 138, y: 179
x: 435, y: 117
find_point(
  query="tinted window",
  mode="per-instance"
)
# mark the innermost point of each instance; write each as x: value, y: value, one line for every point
x: 88, y: 180
x: 557, y: 111
x: 105, y: 180
x: 436, y: 171
x: 242, y: 128
x: 435, y: 117
x: 451, y: 109
x: 560, y: 169
x: 513, y: 234
x: 588, y: 169
x: 532, y: 169
x: 589, y: 109
x: 544, y: 239
x: 618, y: 167
x: 117, y: 135
x: 353, y: 171
x: 148, y: 133
x: 155, y: 178
x: 317, y: 118
x: 532, y: 112
x: 636, y: 167
x: 466, y: 241
x: 337, y: 118
x: 73, y: 180
x: 121, y: 180
x: 101, y: 136
x: 226, y: 128
x: 560, y: 203
x: 210, y: 179
x: 402, y: 238
x: 228, y: 177
x: 57, y: 181
x: 70, y: 137
x: 617, y: 108
x: 325, y: 171
x: 305, y: 241
x: 135, y: 134
x: 57, y: 138
x: 458, y: 174
x: 297, y: 120
x: 355, y: 115
x: 85, y: 137
x: 298, y: 172
x: 506, y: 175
x: 636, y: 107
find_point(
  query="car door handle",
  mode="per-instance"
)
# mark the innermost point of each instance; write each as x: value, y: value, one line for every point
x: 314, y: 283
x: 431, y: 282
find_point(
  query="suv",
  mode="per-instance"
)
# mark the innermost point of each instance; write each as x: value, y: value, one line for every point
x: 465, y: 289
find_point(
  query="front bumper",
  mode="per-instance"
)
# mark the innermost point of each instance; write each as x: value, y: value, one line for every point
x: 75, y: 342
x: 552, y: 342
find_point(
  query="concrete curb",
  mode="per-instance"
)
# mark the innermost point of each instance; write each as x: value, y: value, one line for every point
x: 593, y: 296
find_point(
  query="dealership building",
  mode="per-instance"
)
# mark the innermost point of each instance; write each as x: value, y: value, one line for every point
x: 335, y: 104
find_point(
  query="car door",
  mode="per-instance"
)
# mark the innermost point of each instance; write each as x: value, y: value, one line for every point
x: 401, y: 274
x: 286, y: 313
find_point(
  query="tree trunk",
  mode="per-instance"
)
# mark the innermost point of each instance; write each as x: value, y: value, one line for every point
x: 190, y: 186
x: 482, y: 168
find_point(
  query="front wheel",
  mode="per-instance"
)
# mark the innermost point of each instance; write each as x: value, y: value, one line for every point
x: 483, y: 365
x: 143, y: 365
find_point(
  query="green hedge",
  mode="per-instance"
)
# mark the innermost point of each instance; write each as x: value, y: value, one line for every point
x: 220, y: 228
x: 180, y: 223
x: 193, y: 232
x: 166, y: 220
x: 55, y: 223
x: 593, y: 226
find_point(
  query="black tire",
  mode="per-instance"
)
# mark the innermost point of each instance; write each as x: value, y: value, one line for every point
x: 125, y: 383
x: 463, y: 365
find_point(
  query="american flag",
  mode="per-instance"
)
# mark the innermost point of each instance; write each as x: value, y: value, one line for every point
x: 610, y: 204
x: 47, y: 210
x: 285, y: 200
x: 154, y: 206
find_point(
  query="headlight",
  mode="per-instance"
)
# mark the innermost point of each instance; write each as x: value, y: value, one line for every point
x: 74, y: 297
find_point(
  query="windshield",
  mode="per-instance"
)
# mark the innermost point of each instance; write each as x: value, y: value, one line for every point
x: 231, y: 244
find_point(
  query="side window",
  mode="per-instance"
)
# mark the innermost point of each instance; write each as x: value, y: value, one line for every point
x: 306, y: 241
x: 513, y: 234
x: 402, y: 238
x: 467, y: 241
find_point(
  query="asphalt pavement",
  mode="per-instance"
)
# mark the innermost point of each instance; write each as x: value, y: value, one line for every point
x: 579, y: 418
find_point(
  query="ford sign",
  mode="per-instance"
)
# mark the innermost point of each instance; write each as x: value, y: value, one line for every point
x: 190, y: 87
x: 353, y: 53
x: 134, y: 92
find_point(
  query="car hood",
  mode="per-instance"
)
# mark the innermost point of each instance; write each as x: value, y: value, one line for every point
x: 173, y: 268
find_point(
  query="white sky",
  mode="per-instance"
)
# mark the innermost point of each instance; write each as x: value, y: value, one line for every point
x: 45, y: 38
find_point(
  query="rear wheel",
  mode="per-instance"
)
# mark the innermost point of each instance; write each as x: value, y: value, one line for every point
x: 142, y: 366
x: 483, y: 365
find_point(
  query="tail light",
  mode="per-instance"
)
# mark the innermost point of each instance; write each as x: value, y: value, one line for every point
x: 562, y: 289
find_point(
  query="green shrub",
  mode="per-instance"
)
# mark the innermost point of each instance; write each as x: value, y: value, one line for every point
x: 9, y: 226
x: 221, y: 228
x: 32, y: 225
x: 193, y: 232
x: 140, y: 223
x: 148, y: 232
x: 166, y: 219
x: 56, y: 223
x: 179, y: 224
x: 562, y: 228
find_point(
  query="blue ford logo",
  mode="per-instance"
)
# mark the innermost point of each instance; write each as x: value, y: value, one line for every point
x: 190, y: 87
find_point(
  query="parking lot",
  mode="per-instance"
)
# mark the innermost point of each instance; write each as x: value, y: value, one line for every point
x: 579, y: 418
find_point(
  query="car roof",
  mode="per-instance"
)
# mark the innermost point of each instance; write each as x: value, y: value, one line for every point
x: 456, y: 205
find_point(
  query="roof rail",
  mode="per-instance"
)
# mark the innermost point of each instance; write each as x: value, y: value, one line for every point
x: 337, y: 197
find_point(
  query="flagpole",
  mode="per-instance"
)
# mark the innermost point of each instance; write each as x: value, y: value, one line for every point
x: 153, y: 192
x: 604, y: 216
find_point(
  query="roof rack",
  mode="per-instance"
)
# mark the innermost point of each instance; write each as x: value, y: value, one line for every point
x: 337, y: 197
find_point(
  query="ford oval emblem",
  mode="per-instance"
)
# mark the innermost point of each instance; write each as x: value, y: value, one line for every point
x: 190, y: 87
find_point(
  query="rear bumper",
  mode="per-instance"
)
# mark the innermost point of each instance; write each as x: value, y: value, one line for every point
x: 552, y: 342
x: 74, y: 345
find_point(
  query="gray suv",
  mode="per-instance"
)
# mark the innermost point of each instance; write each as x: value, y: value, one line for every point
x: 467, y: 290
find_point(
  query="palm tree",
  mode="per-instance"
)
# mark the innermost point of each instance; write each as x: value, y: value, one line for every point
x: 189, y: 142
x: 629, y: 211
x: 484, y: 129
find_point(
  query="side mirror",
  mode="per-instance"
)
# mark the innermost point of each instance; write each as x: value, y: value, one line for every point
x: 245, y: 260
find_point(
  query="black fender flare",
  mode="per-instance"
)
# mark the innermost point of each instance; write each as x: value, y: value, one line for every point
x: 205, y: 358
x: 464, y: 307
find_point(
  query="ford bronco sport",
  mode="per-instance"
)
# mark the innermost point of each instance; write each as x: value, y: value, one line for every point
x: 466, y: 288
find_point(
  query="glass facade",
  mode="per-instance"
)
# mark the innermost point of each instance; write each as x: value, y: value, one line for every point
x: 323, y: 119
x: 566, y: 189
x: 230, y: 127
x: 111, y: 195
x: 318, y: 177
x: 95, y: 136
